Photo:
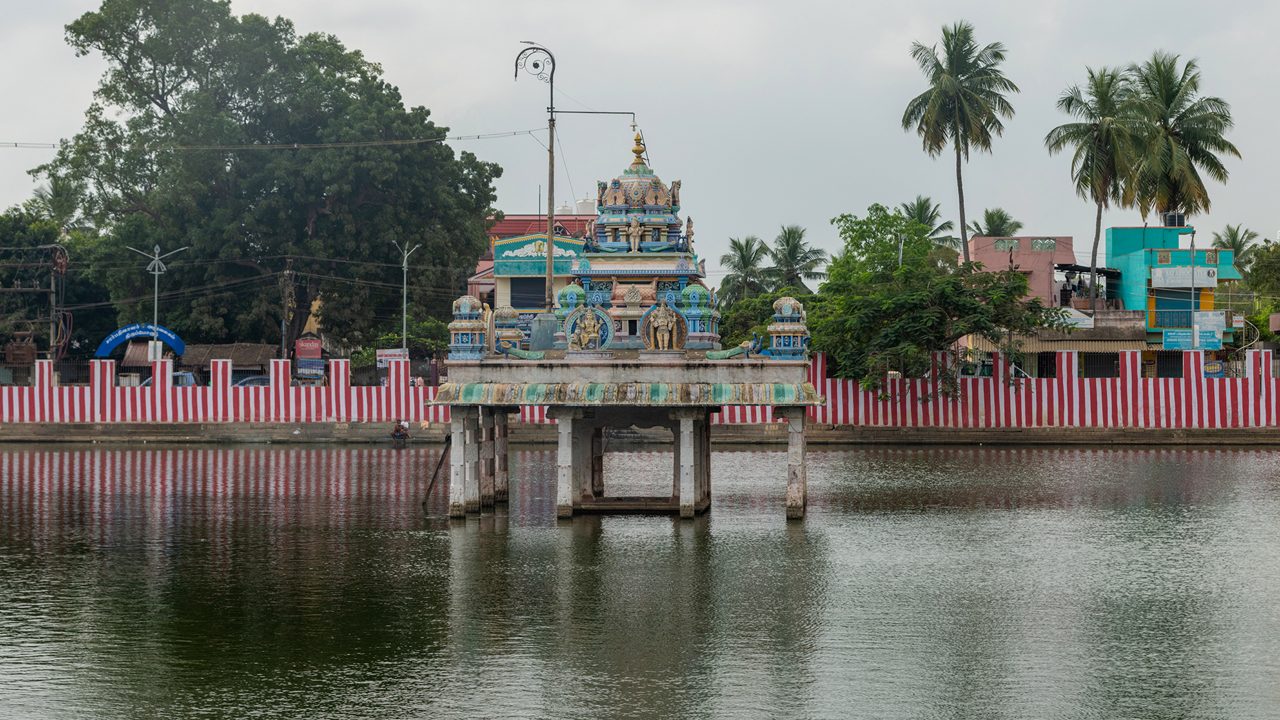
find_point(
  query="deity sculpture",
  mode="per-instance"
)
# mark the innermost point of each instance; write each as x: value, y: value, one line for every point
x: 663, y: 326
x: 587, y: 334
x: 688, y: 233
x: 600, y: 189
x: 634, y: 233
x: 675, y: 193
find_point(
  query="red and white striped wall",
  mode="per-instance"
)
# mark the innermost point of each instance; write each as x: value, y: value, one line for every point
x: 1192, y: 401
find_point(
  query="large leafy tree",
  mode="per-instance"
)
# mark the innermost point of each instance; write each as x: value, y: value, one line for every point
x: 964, y: 103
x: 174, y: 153
x: 1240, y: 240
x: 1180, y: 134
x: 1101, y: 143
x: 928, y: 213
x: 996, y: 222
x: 794, y: 259
x: 877, y: 313
x: 747, y: 275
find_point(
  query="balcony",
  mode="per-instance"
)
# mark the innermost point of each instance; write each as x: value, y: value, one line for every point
x: 1171, y: 319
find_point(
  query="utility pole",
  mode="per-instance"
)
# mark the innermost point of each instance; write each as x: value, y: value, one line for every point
x: 157, y: 268
x: 404, y: 292
x: 1195, y: 327
x: 539, y: 62
x: 286, y: 306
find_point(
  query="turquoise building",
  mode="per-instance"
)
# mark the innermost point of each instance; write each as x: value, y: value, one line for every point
x: 1162, y: 278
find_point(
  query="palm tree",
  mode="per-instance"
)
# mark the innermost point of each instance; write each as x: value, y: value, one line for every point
x: 794, y: 260
x: 1179, y: 134
x: 964, y: 102
x: 926, y: 212
x: 996, y: 223
x: 60, y: 201
x: 747, y: 275
x: 1103, y: 146
x: 1240, y: 240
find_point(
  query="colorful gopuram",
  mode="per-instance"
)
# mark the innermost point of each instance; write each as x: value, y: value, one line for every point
x: 638, y: 345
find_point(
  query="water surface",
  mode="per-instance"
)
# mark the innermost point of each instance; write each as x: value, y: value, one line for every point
x: 937, y: 583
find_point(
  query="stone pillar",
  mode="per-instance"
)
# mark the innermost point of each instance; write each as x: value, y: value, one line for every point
x: 597, y: 462
x: 704, y: 459
x: 471, y: 460
x: 486, y: 458
x: 565, y: 476
x: 675, y: 461
x: 688, y: 457
x: 582, y: 432
x: 457, y: 461
x: 502, y: 459
x: 797, y: 477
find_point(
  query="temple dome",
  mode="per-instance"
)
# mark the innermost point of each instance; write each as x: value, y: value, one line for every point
x: 638, y: 186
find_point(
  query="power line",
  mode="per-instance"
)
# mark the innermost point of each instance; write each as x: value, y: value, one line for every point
x: 301, y: 146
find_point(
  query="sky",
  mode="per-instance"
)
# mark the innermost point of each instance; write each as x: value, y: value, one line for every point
x: 770, y: 113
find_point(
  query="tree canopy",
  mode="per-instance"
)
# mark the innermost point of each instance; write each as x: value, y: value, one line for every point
x: 187, y: 144
x: 876, y: 313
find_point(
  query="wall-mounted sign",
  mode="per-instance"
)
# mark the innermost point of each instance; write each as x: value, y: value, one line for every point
x: 1180, y: 277
x: 308, y: 347
x: 1210, y: 319
x: 389, y: 354
x: 1180, y: 339
x: 310, y: 368
x: 140, y: 331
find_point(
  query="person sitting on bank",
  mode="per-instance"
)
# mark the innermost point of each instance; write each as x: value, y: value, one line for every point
x: 400, y: 431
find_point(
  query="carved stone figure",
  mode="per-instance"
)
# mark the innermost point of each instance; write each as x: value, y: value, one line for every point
x: 600, y: 188
x: 688, y: 233
x: 663, y: 324
x: 675, y: 193
x: 586, y: 335
x: 634, y: 233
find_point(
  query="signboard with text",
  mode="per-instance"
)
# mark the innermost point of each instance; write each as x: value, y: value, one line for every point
x: 1180, y: 339
x: 308, y: 347
x: 387, y: 355
x: 1180, y: 277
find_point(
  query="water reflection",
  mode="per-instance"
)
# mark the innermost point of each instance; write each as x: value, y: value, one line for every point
x: 952, y: 582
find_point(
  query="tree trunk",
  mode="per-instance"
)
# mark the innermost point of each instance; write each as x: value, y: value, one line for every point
x: 1093, y: 260
x: 964, y: 231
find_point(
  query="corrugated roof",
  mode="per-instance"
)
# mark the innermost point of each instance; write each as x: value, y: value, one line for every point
x: 240, y: 354
x: 135, y: 355
x: 1064, y: 344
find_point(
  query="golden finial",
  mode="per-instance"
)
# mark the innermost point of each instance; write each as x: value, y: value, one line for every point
x: 638, y: 150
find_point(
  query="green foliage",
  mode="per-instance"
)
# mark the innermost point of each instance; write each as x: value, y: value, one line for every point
x: 745, y: 264
x: 427, y: 338
x: 964, y: 102
x: 794, y: 259
x: 188, y: 74
x: 996, y: 222
x: 1180, y: 133
x: 928, y: 213
x: 1241, y: 241
x: 875, y: 315
x: 751, y: 316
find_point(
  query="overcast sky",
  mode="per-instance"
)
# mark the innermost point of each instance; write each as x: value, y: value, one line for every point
x: 771, y: 113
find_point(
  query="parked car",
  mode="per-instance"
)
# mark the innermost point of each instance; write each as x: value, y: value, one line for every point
x: 253, y: 381
x: 180, y: 379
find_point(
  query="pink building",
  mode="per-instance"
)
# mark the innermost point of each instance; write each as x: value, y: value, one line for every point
x: 1033, y: 256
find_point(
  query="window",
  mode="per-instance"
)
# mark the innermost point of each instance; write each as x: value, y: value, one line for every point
x: 1169, y: 364
x: 1005, y: 244
x: 1047, y: 365
x: 1099, y: 365
x: 1044, y: 244
x: 528, y: 292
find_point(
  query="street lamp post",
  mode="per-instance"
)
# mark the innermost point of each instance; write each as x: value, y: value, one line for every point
x: 157, y: 268
x: 539, y: 62
x: 405, y: 252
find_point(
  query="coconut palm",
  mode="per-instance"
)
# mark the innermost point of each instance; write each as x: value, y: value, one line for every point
x: 794, y: 260
x: 926, y: 212
x: 1102, y: 146
x: 747, y: 274
x: 1238, y: 239
x: 964, y: 102
x: 60, y: 201
x: 996, y: 223
x: 1179, y: 135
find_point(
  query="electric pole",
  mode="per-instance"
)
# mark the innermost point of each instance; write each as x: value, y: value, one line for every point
x: 404, y: 292
x: 287, y: 305
x: 157, y: 268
